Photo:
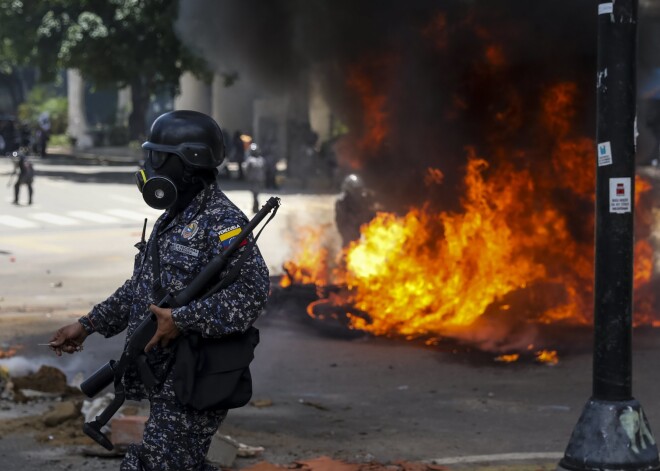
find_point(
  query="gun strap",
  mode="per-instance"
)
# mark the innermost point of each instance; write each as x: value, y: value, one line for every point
x: 158, y: 291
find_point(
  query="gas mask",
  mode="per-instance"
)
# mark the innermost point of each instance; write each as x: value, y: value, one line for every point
x: 161, y: 180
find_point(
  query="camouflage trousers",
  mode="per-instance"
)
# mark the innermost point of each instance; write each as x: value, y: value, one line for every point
x: 176, y: 438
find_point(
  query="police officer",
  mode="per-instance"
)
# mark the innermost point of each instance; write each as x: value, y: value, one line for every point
x: 25, y: 172
x: 184, y: 150
x: 355, y: 206
x: 254, y: 169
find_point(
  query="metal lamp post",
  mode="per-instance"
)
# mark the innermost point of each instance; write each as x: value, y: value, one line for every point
x: 613, y: 432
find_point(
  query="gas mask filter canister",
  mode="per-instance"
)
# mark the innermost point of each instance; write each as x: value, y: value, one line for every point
x: 158, y: 190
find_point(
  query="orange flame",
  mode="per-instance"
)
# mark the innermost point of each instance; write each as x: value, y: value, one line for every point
x: 10, y: 351
x: 434, y: 176
x: 548, y: 357
x: 453, y: 266
x: 495, y: 56
x: 433, y: 274
x: 374, y: 103
x: 510, y: 358
x: 309, y: 263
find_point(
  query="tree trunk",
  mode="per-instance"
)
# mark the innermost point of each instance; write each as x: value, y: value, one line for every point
x: 137, y: 127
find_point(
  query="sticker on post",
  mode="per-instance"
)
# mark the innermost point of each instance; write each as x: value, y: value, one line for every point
x: 605, y: 8
x: 620, y: 195
x: 604, y: 154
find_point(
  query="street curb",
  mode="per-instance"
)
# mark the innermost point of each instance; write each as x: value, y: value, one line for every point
x: 497, y: 458
x: 106, y: 158
x: 101, y: 156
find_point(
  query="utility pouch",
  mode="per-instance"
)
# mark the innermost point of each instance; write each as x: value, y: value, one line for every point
x: 214, y: 373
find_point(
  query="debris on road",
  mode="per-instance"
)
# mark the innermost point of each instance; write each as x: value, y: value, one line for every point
x: 223, y: 450
x: 247, y: 451
x: 324, y: 463
x: 259, y: 403
x: 62, y: 412
x: 313, y: 404
x: 7, y: 351
x: 48, y: 381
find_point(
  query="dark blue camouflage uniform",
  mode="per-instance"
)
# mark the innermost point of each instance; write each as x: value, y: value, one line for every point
x: 177, y: 438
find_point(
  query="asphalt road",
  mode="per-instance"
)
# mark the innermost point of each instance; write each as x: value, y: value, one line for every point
x: 349, y: 396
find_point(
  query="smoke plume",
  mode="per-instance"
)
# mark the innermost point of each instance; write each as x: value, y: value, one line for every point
x: 413, y: 82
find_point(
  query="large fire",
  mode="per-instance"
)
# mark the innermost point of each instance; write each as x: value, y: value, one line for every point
x: 431, y: 274
x: 514, y: 253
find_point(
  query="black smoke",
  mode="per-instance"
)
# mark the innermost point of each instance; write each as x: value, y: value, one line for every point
x: 428, y: 58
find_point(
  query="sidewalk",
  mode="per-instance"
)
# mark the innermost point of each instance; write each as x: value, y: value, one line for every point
x: 126, y: 156
x: 121, y: 155
x: 107, y: 155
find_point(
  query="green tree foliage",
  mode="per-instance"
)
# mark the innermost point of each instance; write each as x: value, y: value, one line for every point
x: 41, y: 99
x: 111, y: 43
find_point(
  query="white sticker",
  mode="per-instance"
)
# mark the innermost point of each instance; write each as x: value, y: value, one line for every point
x: 604, y: 154
x: 605, y: 8
x: 620, y: 195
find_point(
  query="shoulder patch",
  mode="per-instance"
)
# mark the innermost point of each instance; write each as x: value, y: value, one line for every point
x: 227, y: 235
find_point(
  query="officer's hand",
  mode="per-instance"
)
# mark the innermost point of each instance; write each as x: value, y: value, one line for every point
x: 68, y: 339
x: 166, y: 330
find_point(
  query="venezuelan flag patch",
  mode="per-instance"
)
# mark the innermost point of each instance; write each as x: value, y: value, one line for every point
x: 227, y: 236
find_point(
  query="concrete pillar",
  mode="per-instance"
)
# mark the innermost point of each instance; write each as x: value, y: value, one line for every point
x: 216, y: 99
x: 270, y: 124
x: 232, y: 105
x: 195, y: 95
x: 123, y: 106
x: 320, y: 115
x: 77, y: 128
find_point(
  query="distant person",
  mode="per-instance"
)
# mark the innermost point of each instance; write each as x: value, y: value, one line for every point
x: 7, y: 136
x: 43, y: 133
x: 271, y: 168
x: 25, y: 172
x: 355, y: 207
x: 255, y: 173
x: 238, y: 152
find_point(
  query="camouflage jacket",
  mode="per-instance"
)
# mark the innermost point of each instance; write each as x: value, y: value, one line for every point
x: 185, y: 245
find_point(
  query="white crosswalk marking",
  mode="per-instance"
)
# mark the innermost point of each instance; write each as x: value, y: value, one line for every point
x: 77, y: 218
x: 19, y: 223
x: 128, y: 214
x: 93, y: 217
x: 54, y: 219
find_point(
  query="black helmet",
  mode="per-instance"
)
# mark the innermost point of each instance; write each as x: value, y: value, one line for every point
x: 193, y: 136
x: 353, y: 184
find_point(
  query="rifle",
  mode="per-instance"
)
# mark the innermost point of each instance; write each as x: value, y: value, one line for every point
x: 113, y: 371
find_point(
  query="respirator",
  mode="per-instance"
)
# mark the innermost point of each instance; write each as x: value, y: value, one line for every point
x: 160, y: 179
